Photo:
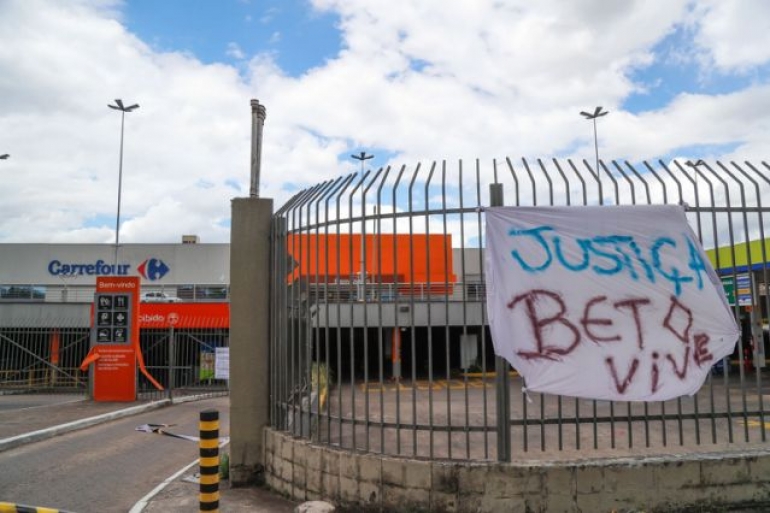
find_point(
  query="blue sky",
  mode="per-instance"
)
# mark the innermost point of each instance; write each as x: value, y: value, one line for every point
x: 676, y: 71
x: 410, y: 82
x: 232, y: 30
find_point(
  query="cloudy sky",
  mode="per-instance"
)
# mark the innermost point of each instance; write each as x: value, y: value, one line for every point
x: 406, y: 81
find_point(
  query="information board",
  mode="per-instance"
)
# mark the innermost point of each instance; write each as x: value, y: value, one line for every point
x: 115, y: 338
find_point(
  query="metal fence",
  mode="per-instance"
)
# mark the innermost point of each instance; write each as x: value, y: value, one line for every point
x: 78, y: 293
x: 184, y: 360
x: 379, y: 331
x: 44, y: 355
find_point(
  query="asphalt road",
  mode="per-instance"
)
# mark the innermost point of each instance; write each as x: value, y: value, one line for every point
x: 108, y: 467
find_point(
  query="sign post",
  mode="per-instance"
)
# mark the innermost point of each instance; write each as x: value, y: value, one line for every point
x: 115, y: 338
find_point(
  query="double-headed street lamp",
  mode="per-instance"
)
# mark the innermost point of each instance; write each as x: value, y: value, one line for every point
x: 596, y: 114
x: 362, y: 157
x: 694, y: 166
x: 123, y: 109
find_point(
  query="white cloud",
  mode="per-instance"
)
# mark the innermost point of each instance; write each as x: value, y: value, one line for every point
x: 735, y: 34
x: 421, y: 80
x: 234, y: 51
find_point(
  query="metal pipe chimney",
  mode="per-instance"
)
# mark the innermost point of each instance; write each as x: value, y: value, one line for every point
x: 258, y: 114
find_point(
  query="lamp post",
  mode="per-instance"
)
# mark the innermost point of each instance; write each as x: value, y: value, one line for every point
x: 362, y: 157
x: 4, y: 156
x: 694, y: 166
x: 598, y: 112
x: 123, y: 109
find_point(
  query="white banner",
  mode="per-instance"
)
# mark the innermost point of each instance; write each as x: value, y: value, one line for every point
x: 222, y: 365
x: 604, y: 302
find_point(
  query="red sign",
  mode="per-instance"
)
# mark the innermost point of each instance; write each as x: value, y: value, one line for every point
x: 185, y: 315
x: 115, y: 344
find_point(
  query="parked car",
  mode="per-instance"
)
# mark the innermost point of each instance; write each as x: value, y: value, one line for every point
x: 158, y: 297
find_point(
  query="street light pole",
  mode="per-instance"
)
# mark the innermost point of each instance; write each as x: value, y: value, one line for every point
x: 362, y: 157
x: 596, y: 114
x: 694, y: 166
x: 123, y: 109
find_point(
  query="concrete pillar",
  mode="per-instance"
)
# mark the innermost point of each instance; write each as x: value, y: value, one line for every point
x: 249, y: 337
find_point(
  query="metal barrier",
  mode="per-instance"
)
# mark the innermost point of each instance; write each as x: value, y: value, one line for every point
x: 379, y: 330
x: 44, y: 355
x: 184, y: 360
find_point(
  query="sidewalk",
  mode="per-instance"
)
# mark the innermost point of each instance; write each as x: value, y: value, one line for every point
x: 30, y: 418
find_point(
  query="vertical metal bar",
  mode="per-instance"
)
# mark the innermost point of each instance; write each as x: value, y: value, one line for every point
x: 602, y: 166
x: 559, y: 398
x: 340, y: 434
x: 293, y: 299
x: 541, y: 396
x: 326, y: 330
x: 292, y: 314
x: 281, y: 317
x: 396, y: 342
x: 302, y: 385
x: 377, y: 249
x: 429, y: 309
x: 413, y: 337
x: 447, y: 271
x: 314, y: 311
x: 352, y: 310
x: 524, y: 397
x: 464, y: 280
x: 715, y: 232
x: 303, y: 312
x: 365, y: 265
x: 171, y: 361
x: 501, y: 367
x: 765, y: 281
x: 312, y: 343
x: 567, y: 190
x: 480, y: 252
x: 273, y: 324
x: 746, y: 237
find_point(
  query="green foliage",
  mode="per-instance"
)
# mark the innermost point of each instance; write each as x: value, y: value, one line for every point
x: 224, y: 466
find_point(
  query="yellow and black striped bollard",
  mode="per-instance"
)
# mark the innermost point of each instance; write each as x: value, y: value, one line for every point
x: 10, y: 507
x: 209, y: 460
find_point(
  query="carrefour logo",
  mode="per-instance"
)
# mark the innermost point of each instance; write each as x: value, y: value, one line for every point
x: 153, y: 269
x: 100, y: 267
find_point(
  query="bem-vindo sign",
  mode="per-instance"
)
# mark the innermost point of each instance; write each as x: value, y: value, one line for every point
x: 605, y: 302
x: 115, y: 351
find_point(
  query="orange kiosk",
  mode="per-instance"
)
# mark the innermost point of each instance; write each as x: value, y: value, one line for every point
x: 115, y: 349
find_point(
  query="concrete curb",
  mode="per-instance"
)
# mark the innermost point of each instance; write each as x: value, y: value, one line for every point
x: 43, y: 434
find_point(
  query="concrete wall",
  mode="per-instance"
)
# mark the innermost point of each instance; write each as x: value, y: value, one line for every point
x: 305, y: 471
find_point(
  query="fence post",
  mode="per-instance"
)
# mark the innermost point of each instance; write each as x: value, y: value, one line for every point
x: 502, y: 379
x: 209, y: 460
x: 171, y: 361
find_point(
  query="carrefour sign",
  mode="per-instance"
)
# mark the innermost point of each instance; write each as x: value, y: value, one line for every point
x: 151, y: 269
